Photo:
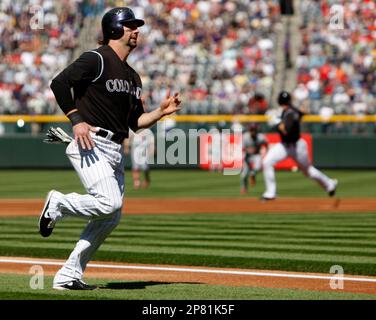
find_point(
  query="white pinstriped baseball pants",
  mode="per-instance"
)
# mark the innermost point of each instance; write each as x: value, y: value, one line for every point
x: 101, y: 171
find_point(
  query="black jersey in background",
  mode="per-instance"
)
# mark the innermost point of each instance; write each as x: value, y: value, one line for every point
x: 291, y: 118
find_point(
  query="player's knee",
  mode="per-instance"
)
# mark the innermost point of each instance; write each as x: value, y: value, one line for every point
x: 111, y: 205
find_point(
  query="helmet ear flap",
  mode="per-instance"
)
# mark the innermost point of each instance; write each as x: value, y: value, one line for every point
x: 117, y: 31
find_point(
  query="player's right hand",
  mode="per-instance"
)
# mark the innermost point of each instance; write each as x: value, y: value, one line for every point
x: 82, y: 135
x: 170, y: 104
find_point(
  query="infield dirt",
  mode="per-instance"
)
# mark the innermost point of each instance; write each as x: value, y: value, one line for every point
x: 33, y: 207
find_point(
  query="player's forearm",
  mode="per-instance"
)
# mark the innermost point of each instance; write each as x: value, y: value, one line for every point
x: 147, y: 119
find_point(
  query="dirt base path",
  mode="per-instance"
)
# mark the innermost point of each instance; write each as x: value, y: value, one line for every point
x: 33, y: 207
x: 199, y: 275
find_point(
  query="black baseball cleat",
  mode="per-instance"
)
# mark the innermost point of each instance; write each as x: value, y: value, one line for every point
x: 264, y: 199
x: 332, y: 192
x: 46, y: 224
x: 74, y: 285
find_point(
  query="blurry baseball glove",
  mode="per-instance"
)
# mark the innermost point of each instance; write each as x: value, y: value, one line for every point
x: 273, y: 117
x: 57, y: 135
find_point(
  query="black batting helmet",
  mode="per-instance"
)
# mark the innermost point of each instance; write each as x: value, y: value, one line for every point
x: 114, y: 20
x: 284, y: 98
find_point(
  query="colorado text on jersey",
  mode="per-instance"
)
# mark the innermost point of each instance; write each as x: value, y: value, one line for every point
x: 120, y: 85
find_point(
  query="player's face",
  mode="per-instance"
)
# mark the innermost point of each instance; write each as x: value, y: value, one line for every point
x: 130, y: 36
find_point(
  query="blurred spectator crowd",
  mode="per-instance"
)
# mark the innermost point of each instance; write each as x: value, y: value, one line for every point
x: 337, y: 60
x: 219, y: 54
x: 36, y: 40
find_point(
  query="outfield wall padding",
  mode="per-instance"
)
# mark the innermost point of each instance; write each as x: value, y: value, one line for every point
x: 344, y: 151
x: 25, y: 151
x: 30, y: 152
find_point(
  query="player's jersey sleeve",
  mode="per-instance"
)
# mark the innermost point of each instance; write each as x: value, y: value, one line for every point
x: 83, y: 70
x: 138, y: 110
x: 137, y: 107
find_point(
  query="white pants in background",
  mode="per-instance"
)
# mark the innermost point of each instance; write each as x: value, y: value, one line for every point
x: 299, y: 153
x: 101, y: 171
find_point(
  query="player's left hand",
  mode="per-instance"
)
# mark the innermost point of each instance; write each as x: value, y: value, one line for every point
x: 170, y: 104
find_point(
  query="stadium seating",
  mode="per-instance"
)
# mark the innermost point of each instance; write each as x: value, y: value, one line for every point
x: 336, y: 64
x: 219, y: 55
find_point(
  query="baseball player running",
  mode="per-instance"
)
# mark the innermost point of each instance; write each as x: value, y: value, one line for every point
x: 140, y: 145
x: 106, y: 103
x: 293, y: 146
x: 253, y: 141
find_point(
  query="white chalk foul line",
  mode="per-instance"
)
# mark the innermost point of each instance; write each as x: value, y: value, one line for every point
x: 193, y: 270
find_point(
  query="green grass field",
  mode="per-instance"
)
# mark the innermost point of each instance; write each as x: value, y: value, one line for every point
x: 310, y: 242
x: 296, y: 242
x: 16, y: 287
x: 187, y: 183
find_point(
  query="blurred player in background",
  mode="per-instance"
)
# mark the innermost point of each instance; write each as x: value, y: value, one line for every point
x: 140, y: 146
x: 253, y: 141
x: 291, y: 146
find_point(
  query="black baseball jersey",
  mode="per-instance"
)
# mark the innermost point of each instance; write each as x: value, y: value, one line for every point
x: 106, y: 90
x: 291, y: 118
